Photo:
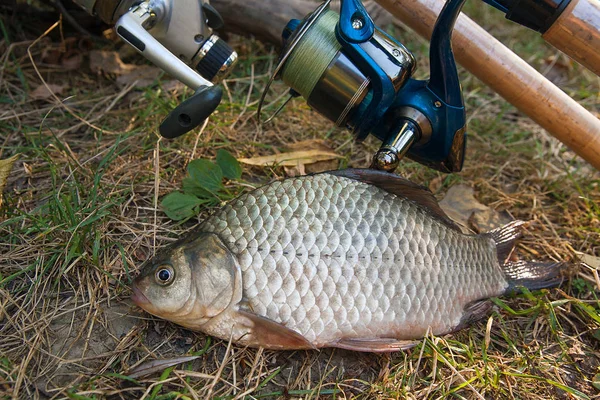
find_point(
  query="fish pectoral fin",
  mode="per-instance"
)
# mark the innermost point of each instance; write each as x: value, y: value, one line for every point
x: 473, y: 312
x: 374, y: 345
x: 269, y: 334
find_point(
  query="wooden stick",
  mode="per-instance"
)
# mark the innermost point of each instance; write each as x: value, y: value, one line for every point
x: 265, y: 19
x: 510, y: 76
x: 576, y: 33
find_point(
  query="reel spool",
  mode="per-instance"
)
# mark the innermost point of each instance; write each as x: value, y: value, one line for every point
x: 359, y: 77
x: 315, y: 66
x: 323, y: 75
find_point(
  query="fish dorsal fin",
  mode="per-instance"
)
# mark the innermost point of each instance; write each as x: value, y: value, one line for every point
x: 401, y: 187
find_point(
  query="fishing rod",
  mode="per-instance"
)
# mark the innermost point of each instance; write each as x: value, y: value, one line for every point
x: 359, y: 77
x: 346, y: 68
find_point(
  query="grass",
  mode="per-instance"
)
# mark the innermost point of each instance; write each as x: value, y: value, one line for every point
x: 81, y: 213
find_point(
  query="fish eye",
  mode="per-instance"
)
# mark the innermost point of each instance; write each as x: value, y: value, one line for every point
x: 164, y: 274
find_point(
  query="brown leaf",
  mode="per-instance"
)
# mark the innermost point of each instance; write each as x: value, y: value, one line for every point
x: 109, y: 62
x: 154, y: 366
x: 590, y: 260
x: 460, y: 205
x: 319, y: 166
x: 298, y: 170
x: 71, y: 60
x: 143, y: 76
x: 42, y: 93
x: 292, y: 158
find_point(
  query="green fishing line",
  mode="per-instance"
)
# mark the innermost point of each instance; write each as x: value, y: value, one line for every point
x: 312, y: 55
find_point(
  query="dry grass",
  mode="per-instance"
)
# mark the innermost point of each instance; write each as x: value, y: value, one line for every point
x: 80, y: 215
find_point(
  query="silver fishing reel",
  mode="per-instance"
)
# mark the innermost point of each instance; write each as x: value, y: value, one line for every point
x: 177, y: 36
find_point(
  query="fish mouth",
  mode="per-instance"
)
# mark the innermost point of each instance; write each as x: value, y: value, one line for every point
x: 139, y: 298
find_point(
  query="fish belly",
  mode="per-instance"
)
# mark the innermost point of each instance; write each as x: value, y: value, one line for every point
x: 335, y: 258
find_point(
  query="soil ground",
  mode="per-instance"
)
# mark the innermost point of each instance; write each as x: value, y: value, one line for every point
x: 81, y: 213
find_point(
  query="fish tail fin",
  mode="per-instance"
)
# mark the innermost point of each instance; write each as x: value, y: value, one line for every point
x: 531, y: 275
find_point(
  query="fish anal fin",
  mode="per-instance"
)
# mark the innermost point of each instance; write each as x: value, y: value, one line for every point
x: 401, y: 187
x: 373, y: 345
x: 264, y: 332
x: 473, y: 312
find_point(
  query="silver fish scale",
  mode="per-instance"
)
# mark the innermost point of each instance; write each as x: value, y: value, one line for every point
x: 331, y: 257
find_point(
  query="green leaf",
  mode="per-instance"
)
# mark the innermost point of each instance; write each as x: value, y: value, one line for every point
x: 229, y: 165
x: 180, y: 206
x: 207, y: 175
x: 596, y: 381
x: 191, y: 186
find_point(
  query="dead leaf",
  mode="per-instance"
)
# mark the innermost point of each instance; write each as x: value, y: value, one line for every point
x: 71, y: 60
x: 312, y: 168
x: 460, y: 205
x: 109, y: 62
x: 292, y: 158
x: 292, y: 172
x: 42, y: 93
x: 112, y: 324
x: 5, y: 168
x: 143, y: 76
x: 587, y: 259
x: 154, y: 366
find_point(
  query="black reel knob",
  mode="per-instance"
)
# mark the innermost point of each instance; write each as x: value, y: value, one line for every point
x: 191, y: 112
x: 216, y: 59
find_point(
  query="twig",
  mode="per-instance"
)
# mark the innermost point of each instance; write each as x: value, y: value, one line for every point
x: 65, y: 13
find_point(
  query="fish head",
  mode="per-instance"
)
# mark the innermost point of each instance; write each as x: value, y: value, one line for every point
x: 189, y: 282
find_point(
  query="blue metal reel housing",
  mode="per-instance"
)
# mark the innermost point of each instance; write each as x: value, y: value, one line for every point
x: 382, y: 93
x: 439, y: 98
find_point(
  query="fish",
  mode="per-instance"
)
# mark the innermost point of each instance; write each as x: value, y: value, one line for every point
x: 357, y: 259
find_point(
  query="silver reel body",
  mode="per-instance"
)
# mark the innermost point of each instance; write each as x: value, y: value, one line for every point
x: 177, y: 36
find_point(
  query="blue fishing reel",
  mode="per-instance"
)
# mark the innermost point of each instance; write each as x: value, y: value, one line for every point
x: 360, y: 78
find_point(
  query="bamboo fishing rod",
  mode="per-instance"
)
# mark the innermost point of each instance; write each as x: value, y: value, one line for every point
x: 511, y: 77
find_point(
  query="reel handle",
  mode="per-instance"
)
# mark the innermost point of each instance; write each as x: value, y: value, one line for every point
x: 192, y: 112
x: 172, y: 21
x: 133, y: 28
